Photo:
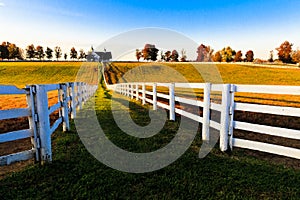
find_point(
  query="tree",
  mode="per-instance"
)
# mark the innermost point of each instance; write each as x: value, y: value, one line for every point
x: 167, y: 56
x: 174, y: 56
x: 271, y: 59
x: 138, y: 54
x: 73, y: 53
x: 81, y: 54
x: 227, y: 54
x: 150, y: 52
x: 183, y: 56
x: 49, y: 54
x: 58, y: 53
x: 296, y: 56
x: 284, y: 52
x: 204, y: 53
x: 40, y: 52
x: 65, y: 56
x: 249, y: 56
x: 238, y: 57
x: 217, y: 57
x: 30, y: 52
x: 13, y: 51
x: 4, y: 54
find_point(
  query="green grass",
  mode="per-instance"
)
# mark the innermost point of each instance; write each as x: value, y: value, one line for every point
x: 22, y: 73
x: 75, y: 174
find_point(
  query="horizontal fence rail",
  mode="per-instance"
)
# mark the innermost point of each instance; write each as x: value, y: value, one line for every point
x: 71, y: 97
x: 225, y: 124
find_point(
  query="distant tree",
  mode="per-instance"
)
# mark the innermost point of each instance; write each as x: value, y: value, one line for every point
x: 13, y: 51
x: 167, y: 56
x: 150, y: 52
x: 58, y: 53
x: 217, y: 57
x: 271, y: 59
x: 4, y: 53
x: 30, y: 52
x: 73, y: 53
x: 296, y: 56
x: 65, y: 56
x: 204, y: 53
x: 49, y: 54
x: 227, y: 54
x: 249, y: 56
x: 183, y: 56
x: 138, y: 54
x: 174, y: 56
x: 81, y: 54
x: 40, y: 52
x: 284, y: 52
x: 238, y: 57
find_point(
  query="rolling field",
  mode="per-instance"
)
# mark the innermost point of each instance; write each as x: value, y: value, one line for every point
x: 75, y: 174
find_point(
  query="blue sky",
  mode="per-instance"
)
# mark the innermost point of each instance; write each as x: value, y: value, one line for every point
x: 260, y: 25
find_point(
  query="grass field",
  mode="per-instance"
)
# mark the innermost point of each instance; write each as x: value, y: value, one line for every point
x: 75, y: 174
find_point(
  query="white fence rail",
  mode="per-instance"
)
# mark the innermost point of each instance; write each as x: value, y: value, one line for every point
x: 71, y: 96
x: 147, y: 92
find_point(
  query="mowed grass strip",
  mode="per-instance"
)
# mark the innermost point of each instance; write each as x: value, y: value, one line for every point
x: 75, y: 174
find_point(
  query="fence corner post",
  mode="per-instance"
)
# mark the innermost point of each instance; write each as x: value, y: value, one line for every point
x: 231, y: 113
x: 43, y: 128
x: 172, y: 101
x: 65, y: 112
x: 206, y: 112
x: 144, y: 93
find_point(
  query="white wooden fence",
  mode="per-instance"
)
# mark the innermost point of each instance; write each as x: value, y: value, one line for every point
x: 71, y: 96
x: 226, y: 124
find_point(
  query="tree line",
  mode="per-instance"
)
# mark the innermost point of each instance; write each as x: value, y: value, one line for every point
x: 206, y: 54
x: 10, y: 51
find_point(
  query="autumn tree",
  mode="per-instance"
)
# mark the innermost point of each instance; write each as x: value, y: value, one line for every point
x: 40, y: 52
x: 49, y: 54
x: 30, y: 52
x: 150, y: 52
x: 249, y: 56
x: 296, y: 56
x: 65, y: 56
x: 238, y: 57
x: 167, y: 56
x: 183, y: 56
x: 82, y: 55
x: 58, y: 53
x: 217, y: 57
x: 138, y: 54
x: 284, y: 52
x: 227, y: 54
x: 4, y: 53
x: 174, y: 56
x: 73, y: 53
x: 13, y: 51
x: 204, y: 53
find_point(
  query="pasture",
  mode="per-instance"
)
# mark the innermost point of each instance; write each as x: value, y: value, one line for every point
x: 75, y: 174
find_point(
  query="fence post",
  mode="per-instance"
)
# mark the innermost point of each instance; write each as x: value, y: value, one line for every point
x: 225, y: 117
x: 154, y: 96
x: 41, y: 102
x: 172, y: 101
x: 131, y: 91
x: 137, y: 91
x: 65, y: 112
x: 231, y: 113
x: 79, y: 94
x: 206, y: 112
x: 73, y: 102
x: 144, y: 93
x: 32, y: 122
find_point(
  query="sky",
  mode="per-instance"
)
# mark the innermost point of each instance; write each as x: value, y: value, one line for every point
x: 259, y: 25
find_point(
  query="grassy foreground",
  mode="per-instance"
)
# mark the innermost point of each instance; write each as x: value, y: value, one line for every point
x: 75, y: 174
